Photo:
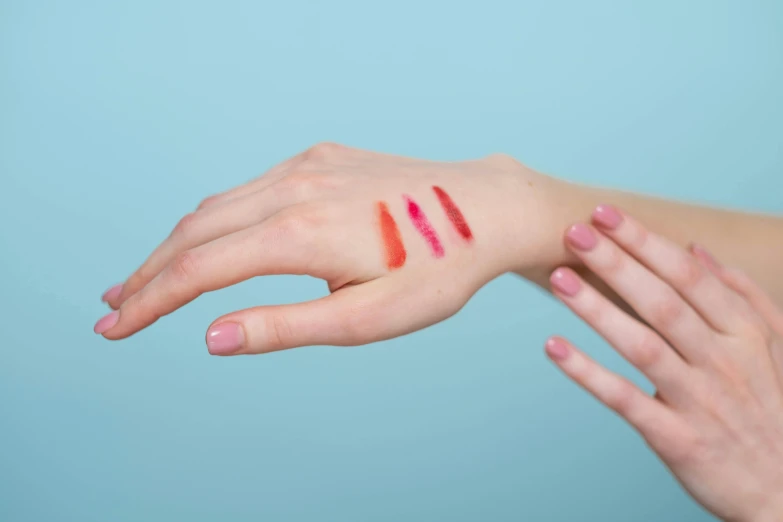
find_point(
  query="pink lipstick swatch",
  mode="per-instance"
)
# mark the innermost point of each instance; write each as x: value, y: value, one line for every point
x: 424, y: 227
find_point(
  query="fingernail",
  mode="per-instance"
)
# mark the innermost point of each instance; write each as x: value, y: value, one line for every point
x: 708, y: 259
x: 106, y: 322
x: 557, y: 349
x: 565, y: 282
x: 112, y: 293
x: 582, y: 237
x: 225, y: 338
x: 607, y: 216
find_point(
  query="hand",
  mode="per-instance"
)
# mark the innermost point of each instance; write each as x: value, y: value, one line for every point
x: 402, y: 244
x: 713, y: 349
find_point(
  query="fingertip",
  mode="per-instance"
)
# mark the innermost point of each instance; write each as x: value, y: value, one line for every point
x: 107, y: 322
x: 112, y: 294
x: 225, y: 338
x: 557, y: 349
x: 607, y: 217
x: 582, y: 237
x: 565, y: 281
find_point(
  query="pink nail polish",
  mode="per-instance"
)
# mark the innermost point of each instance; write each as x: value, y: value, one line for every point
x: 112, y: 293
x: 565, y: 281
x: 557, y: 349
x: 705, y: 257
x: 106, y: 322
x: 607, y: 216
x: 225, y: 338
x: 582, y: 237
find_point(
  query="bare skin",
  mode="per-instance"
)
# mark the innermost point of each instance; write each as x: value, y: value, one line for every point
x: 313, y: 214
x: 713, y: 350
x: 708, y: 338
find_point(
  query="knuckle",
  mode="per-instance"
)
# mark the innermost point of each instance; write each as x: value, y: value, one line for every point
x: 210, y: 200
x: 185, y: 225
x: 647, y: 352
x: 302, y: 221
x: 686, y: 448
x: 503, y: 160
x: 279, y: 332
x: 688, y: 274
x: 185, y: 265
x: 303, y: 186
x: 666, y: 311
x: 615, y: 261
x: 322, y: 151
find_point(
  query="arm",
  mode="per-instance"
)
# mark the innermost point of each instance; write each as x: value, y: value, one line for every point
x: 401, y: 243
x: 750, y: 241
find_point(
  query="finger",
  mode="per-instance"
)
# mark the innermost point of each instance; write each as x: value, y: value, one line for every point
x: 354, y: 315
x: 699, y: 287
x: 637, y: 343
x: 206, y: 225
x: 764, y: 314
x: 272, y: 247
x: 117, y: 294
x: 321, y: 153
x: 655, y: 301
x: 745, y: 286
x: 271, y: 176
x: 658, y: 424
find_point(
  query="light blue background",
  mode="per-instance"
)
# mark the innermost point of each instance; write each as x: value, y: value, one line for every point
x: 117, y: 118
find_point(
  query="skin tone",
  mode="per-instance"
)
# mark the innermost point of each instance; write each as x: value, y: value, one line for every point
x: 318, y: 214
x: 713, y: 349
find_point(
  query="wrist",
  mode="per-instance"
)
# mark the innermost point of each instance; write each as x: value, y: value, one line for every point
x: 539, y: 214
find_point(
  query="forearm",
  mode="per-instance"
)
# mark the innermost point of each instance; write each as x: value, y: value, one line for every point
x: 751, y: 242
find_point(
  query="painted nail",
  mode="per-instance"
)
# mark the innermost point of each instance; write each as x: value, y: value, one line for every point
x: 112, y: 293
x: 582, y: 237
x: 705, y: 257
x: 225, y: 338
x: 565, y: 281
x: 106, y: 322
x: 557, y: 349
x: 607, y: 216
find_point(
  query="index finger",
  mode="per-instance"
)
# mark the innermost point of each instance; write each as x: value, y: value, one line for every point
x: 272, y: 247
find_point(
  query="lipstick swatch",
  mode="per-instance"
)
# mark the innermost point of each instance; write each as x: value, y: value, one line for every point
x: 424, y: 227
x: 453, y: 213
x: 390, y: 234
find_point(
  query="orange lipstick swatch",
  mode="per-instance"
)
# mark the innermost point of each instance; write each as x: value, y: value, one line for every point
x: 392, y: 242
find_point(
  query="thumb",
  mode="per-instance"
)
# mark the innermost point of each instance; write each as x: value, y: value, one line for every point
x: 351, y: 316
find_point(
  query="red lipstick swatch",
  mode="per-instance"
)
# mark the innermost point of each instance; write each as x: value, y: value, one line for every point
x: 392, y: 242
x: 454, y: 214
x: 424, y: 227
